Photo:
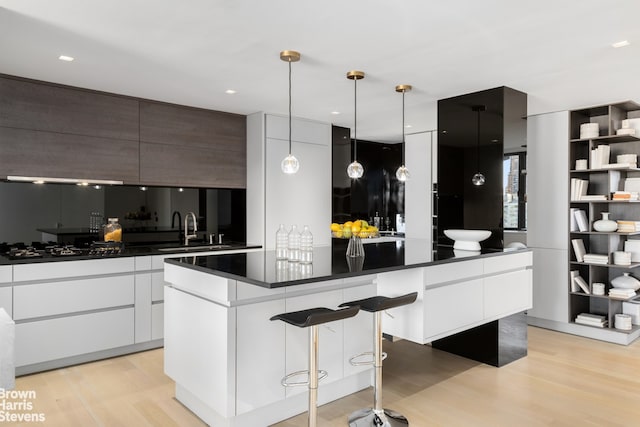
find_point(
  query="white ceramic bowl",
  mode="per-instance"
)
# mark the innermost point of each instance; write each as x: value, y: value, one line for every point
x: 625, y: 282
x: 468, y: 240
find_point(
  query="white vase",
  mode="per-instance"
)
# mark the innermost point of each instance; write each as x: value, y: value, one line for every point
x: 605, y: 224
x: 626, y: 281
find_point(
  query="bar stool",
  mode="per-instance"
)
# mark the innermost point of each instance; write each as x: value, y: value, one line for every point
x: 377, y: 416
x: 302, y: 319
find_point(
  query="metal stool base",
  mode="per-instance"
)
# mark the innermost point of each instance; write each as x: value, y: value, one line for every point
x: 368, y: 418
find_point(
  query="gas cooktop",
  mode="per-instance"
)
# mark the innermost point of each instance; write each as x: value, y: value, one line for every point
x: 52, y: 250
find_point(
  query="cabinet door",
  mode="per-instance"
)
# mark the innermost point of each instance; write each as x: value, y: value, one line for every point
x: 53, y: 339
x: 303, y: 198
x: 157, y: 321
x: 143, y: 307
x: 358, y: 330
x: 64, y: 110
x: 6, y: 299
x: 506, y: 294
x: 58, y: 155
x: 331, y: 349
x: 50, y: 299
x: 407, y: 321
x: 190, y: 146
x: 448, y: 309
x: 260, y: 354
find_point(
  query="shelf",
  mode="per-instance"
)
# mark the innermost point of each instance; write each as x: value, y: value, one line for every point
x: 633, y: 329
x: 610, y: 139
x: 635, y: 233
x: 605, y: 201
x: 605, y: 297
x: 632, y: 265
x: 603, y: 170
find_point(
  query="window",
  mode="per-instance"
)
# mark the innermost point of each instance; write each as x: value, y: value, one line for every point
x: 514, y: 191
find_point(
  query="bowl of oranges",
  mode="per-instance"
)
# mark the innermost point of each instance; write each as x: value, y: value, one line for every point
x: 358, y: 228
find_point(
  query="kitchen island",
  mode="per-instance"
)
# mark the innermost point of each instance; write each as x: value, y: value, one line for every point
x: 227, y: 358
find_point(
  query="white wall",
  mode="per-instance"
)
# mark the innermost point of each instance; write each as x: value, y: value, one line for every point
x: 419, y: 149
x: 547, y: 208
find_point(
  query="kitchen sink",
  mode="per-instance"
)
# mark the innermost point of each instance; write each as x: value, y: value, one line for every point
x: 194, y: 248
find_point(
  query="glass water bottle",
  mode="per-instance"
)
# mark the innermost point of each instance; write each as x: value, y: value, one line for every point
x: 294, y: 244
x: 282, y: 241
x: 306, y: 246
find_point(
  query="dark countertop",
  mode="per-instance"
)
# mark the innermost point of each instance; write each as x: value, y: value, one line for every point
x: 131, y: 250
x: 330, y: 262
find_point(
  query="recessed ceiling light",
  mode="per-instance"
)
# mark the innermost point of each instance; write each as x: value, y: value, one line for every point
x: 38, y: 181
x: 408, y: 126
x: 622, y: 43
x: 335, y: 113
x: 66, y: 58
x: 180, y: 190
x: 230, y: 91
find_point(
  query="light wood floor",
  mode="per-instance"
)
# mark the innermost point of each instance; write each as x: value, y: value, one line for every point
x: 564, y: 381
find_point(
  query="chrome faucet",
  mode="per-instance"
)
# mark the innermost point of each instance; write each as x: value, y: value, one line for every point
x: 187, y: 235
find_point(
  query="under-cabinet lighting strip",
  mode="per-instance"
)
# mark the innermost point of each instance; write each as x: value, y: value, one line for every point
x: 63, y: 180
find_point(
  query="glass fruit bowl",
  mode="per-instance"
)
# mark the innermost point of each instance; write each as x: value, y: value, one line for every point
x: 358, y: 228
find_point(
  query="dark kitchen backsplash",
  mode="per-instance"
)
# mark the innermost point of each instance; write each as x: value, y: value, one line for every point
x: 65, y: 210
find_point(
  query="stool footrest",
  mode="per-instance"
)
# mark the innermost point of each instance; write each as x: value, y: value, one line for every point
x: 354, y: 362
x: 286, y: 383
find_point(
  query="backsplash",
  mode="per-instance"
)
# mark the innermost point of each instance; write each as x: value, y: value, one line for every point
x: 28, y: 207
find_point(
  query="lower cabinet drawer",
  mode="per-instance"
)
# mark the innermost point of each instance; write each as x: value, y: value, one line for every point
x: 452, y: 307
x: 507, y: 293
x: 6, y: 299
x: 53, y: 339
x: 55, y: 298
x: 157, y: 321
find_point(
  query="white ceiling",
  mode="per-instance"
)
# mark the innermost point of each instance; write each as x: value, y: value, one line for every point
x: 190, y: 52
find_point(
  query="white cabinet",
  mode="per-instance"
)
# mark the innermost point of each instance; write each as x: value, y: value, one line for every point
x: 274, y: 197
x: 69, y: 296
x: 6, y: 299
x: 260, y: 344
x: 507, y: 294
x: 331, y: 349
x: 200, y: 347
x: 52, y: 339
x: 449, y: 309
x: 6, y: 291
x: 358, y: 330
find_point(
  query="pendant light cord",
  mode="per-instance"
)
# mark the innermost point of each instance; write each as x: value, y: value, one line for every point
x: 289, y: 106
x: 403, y: 137
x: 478, y: 145
x: 355, y: 119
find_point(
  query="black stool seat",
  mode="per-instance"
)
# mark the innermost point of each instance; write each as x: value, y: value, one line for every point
x: 380, y: 303
x: 316, y: 316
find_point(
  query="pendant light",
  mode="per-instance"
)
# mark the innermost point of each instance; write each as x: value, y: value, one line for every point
x: 355, y: 169
x: 403, y: 173
x: 290, y: 164
x: 478, y: 178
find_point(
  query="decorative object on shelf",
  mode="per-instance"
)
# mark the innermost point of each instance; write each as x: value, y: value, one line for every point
x: 623, y: 321
x: 630, y: 159
x: 598, y: 288
x: 605, y: 224
x: 622, y: 258
x: 290, y: 164
x: 633, y: 247
x: 355, y: 248
x: 626, y: 281
x: 402, y: 173
x: 581, y: 164
x: 589, y: 319
x: 478, y: 178
x: 468, y: 240
x: 632, y: 308
x: 589, y: 130
x: 355, y: 169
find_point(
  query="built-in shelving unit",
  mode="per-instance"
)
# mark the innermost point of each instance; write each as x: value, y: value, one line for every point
x: 602, y: 181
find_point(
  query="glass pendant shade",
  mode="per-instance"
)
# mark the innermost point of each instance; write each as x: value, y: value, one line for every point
x: 355, y: 170
x: 478, y: 179
x: 402, y: 173
x: 290, y: 164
